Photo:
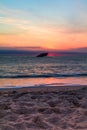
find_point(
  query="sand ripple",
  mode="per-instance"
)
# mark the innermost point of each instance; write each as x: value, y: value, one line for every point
x: 44, y: 110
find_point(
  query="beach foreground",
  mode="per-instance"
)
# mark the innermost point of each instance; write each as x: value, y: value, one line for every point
x: 56, y: 108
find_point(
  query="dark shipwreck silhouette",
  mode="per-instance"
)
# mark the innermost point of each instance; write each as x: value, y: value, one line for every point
x: 42, y: 55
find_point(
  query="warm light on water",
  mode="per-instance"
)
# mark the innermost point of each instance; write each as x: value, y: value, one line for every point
x: 28, y: 82
x: 30, y: 71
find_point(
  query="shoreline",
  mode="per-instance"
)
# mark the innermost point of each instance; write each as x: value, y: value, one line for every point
x: 36, y: 82
x: 44, y: 88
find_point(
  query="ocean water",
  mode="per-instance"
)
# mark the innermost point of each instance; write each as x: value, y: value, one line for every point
x: 24, y: 70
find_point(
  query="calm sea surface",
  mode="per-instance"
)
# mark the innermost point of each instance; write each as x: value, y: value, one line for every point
x: 24, y: 70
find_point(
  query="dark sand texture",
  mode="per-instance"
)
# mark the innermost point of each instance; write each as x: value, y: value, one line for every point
x: 44, y: 110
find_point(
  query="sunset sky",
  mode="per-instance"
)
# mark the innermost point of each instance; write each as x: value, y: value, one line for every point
x: 50, y: 24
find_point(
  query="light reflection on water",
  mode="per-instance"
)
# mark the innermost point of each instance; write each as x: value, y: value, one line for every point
x: 50, y: 66
x: 41, y: 82
x: 62, y: 70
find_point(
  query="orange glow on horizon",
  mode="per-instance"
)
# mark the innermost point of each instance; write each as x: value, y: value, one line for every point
x: 58, y: 25
x: 49, y: 38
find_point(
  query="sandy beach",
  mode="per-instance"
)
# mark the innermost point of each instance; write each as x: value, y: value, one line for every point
x: 46, y: 108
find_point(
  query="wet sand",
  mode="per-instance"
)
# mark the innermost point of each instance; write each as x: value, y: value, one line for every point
x: 46, y: 108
